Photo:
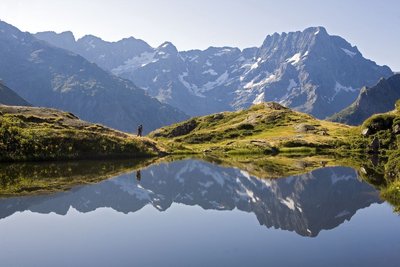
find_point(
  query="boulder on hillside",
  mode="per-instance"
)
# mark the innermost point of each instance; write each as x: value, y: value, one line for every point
x: 304, y: 128
x: 181, y: 129
x: 374, y: 146
x: 274, y: 106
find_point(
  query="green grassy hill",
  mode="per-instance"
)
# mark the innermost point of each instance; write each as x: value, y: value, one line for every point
x: 29, y: 133
x: 264, y: 128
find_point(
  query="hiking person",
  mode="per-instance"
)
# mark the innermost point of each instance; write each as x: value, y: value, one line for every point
x: 138, y: 175
x: 140, y: 130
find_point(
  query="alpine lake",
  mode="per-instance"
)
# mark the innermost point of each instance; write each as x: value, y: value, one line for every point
x: 195, y: 212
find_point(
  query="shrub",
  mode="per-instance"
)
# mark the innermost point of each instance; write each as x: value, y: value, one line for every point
x: 397, y: 105
x: 379, y: 122
x: 245, y: 126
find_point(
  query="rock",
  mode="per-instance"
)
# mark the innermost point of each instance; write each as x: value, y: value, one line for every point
x: 179, y: 130
x: 254, y: 118
x: 396, y: 129
x: 374, y: 146
x: 302, y: 164
x: 274, y: 106
x: 363, y: 170
x: 260, y: 143
x: 303, y: 128
x: 216, y: 117
x: 323, y: 132
x: 374, y: 159
x: 366, y: 132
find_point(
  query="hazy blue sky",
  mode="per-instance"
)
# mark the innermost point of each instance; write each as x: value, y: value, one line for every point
x: 372, y: 25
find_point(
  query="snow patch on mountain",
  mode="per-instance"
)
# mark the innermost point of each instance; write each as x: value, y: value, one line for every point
x: 342, y: 213
x: 191, y: 87
x: 259, y: 98
x: 339, y: 88
x: 136, y: 62
x: 133, y: 189
x: 288, y: 202
x: 292, y: 84
x: 223, y: 51
x: 219, y: 81
x: 210, y: 71
x: 295, y: 59
x: 256, y: 64
x: 349, y: 53
x: 335, y: 178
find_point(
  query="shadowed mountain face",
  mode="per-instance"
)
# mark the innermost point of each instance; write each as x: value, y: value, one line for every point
x: 310, y: 71
x: 48, y: 76
x: 380, y: 98
x: 9, y: 97
x: 306, y: 204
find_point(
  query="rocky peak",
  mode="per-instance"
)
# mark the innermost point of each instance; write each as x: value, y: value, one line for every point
x: 168, y: 47
x: 64, y: 39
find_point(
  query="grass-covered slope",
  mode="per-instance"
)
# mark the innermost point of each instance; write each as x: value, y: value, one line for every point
x: 29, y: 133
x: 264, y: 128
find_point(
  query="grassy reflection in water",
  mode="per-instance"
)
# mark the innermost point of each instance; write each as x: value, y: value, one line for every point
x: 31, y: 178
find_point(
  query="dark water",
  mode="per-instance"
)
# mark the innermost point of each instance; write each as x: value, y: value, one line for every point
x: 193, y: 213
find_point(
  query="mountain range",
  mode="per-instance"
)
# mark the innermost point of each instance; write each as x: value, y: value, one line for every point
x: 379, y: 98
x: 49, y: 76
x: 305, y: 204
x: 310, y: 71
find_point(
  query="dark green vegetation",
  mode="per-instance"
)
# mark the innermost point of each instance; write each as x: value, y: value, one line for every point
x: 20, y: 179
x: 385, y: 130
x: 267, y: 128
x: 28, y: 133
x: 377, y: 99
x: 9, y: 97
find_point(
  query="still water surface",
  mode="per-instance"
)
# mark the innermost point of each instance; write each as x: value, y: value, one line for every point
x: 194, y: 213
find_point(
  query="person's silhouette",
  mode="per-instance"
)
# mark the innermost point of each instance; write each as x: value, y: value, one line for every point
x: 140, y: 130
x: 138, y: 175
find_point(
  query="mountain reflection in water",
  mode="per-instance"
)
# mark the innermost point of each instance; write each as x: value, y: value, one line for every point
x: 306, y: 204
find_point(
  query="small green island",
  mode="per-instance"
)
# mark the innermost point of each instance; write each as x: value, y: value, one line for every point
x: 267, y: 140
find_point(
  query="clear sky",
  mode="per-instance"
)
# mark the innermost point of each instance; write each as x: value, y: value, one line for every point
x: 372, y: 25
